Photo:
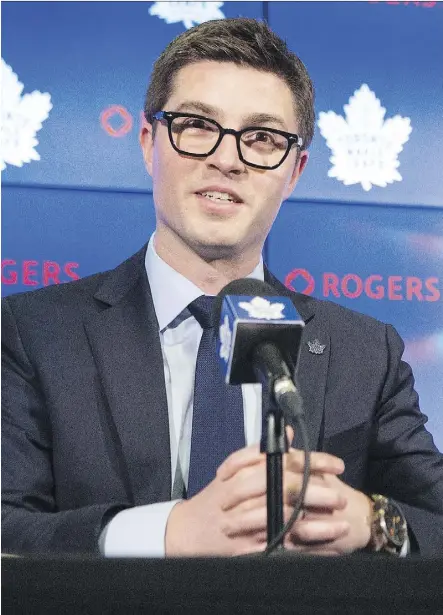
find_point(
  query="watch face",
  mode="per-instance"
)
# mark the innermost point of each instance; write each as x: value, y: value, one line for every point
x: 395, y: 525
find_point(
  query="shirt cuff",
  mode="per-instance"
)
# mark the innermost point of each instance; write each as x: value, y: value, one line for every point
x: 405, y: 550
x: 137, y: 532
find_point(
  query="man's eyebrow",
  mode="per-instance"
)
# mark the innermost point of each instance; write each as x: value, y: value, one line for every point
x: 258, y: 119
x: 255, y: 119
x: 194, y: 105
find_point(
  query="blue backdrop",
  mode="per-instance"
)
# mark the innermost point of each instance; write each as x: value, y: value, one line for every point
x: 364, y: 227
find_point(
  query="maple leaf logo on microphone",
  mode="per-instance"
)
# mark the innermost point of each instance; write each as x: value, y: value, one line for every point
x: 262, y: 309
x: 225, y: 339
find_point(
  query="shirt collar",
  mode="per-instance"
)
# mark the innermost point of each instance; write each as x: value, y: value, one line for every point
x: 171, y: 291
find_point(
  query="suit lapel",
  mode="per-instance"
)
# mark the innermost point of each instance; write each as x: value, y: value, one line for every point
x: 312, y: 369
x: 311, y: 376
x: 125, y: 342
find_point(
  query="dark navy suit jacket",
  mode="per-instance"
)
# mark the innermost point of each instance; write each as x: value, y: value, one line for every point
x: 85, y: 423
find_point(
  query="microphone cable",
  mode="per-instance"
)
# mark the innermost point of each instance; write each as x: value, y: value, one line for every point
x: 290, y: 403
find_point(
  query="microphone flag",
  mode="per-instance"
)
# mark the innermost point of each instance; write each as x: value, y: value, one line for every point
x: 248, y: 320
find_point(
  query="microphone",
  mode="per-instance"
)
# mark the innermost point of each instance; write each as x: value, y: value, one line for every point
x: 259, y: 339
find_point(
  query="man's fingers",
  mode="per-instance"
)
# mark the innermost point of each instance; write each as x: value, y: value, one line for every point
x: 253, y: 503
x: 289, y: 434
x: 320, y: 462
x: 317, y: 496
x: 318, y: 533
x: 312, y: 532
x: 245, y: 457
x: 250, y: 522
x: 247, y: 484
x: 294, y: 460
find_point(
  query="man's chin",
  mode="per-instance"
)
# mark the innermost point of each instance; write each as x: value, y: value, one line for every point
x: 216, y: 248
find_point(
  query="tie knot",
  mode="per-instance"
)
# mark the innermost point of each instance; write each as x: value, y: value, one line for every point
x: 201, y: 309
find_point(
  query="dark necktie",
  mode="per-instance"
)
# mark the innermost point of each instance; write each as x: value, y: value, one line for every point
x: 217, y: 421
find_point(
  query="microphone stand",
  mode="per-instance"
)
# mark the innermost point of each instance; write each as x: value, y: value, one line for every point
x: 274, y: 444
x: 280, y: 401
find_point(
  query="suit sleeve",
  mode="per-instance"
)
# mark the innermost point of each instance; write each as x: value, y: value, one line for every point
x: 404, y: 462
x: 31, y: 522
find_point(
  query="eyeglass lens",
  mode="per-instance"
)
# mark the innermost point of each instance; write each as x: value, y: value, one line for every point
x: 197, y: 136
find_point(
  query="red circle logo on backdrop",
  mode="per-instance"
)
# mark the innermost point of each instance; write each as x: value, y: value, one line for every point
x: 306, y: 276
x: 124, y: 117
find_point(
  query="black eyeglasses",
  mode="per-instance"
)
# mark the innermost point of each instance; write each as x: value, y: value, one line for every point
x: 199, y: 136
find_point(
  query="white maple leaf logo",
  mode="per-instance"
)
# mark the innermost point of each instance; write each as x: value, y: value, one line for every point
x: 225, y: 339
x: 22, y: 118
x: 261, y: 308
x: 190, y: 13
x: 364, y: 146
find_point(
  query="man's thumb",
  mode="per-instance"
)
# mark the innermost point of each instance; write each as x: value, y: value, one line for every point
x: 290, y: 434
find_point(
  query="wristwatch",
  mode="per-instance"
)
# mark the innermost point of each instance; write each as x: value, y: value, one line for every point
x: 389, y: 530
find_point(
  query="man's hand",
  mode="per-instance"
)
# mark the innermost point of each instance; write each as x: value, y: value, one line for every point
x: 336, y: 517
x: 229, y: 516
x: 313, y: 533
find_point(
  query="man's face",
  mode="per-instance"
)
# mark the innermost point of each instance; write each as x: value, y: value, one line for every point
x: 231, y: 95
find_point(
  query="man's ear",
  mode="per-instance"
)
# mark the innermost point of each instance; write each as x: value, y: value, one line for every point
x: 299, y: 167
x: 146, y: 139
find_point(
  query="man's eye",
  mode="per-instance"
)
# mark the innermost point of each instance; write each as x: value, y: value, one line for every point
x: 260, y: 138
x: 264, y: 137
x: 195, y: 122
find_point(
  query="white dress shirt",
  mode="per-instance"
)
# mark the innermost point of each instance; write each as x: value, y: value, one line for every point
x: 140, y: 531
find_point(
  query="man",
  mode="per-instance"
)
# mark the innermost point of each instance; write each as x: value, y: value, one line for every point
x: 100, y: 418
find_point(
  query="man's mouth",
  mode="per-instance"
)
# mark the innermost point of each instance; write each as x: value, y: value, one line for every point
x: 219, y: 197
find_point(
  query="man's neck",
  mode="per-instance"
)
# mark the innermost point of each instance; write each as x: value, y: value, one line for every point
x: 209, y: 276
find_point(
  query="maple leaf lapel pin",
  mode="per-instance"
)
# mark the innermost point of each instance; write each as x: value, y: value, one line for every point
x: 316, y: 347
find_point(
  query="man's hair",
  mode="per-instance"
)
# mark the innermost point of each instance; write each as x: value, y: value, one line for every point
x: 243, y: 41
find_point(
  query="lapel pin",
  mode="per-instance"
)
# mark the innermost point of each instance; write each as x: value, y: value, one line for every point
x: 315, y: 347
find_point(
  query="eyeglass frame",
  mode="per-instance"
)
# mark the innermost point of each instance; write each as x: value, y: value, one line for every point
x: 169, y: 116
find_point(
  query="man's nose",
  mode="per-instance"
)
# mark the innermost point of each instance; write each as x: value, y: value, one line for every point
x: 226, y: 157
